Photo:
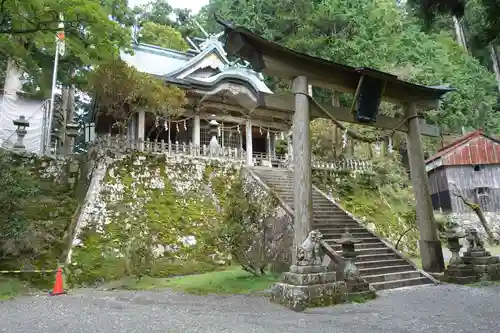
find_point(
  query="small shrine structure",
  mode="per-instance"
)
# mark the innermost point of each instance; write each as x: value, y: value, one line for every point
x: 369, y: 87
x: 470, y: 165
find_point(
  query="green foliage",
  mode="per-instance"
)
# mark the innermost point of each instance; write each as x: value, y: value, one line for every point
x: 376, y: 34
x: 382, y: 197
x: 27, y: 35
x: 11, y: 287
x: 245, y: 230
x: 161, y: 13
x: 123, y: 90
x: 36, y: 213
x: 162, y: 35
x: 229, y: 281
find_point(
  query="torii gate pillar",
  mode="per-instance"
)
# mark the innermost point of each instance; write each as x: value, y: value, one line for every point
x: 302, y: 174
x: 431, y: 252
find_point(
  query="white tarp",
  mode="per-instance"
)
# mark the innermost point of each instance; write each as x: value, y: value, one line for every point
x: 12, y: 106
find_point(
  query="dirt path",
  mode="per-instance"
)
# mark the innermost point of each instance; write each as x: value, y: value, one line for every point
x: 443, y: 308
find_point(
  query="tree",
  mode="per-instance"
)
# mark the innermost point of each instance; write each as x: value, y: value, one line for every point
x: 122, y: 90
x: 162, y: 35
x: 378, y: 34
x: 94, y: 32
x: 160, y: 12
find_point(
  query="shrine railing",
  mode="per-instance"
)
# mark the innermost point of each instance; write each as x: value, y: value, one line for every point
x: 126, y: 145
x: 343, y: 164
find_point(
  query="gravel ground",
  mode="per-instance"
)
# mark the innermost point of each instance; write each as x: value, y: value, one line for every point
x: 443, y: 308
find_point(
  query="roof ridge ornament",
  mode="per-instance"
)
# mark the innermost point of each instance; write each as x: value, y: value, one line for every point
x: 213, y: 40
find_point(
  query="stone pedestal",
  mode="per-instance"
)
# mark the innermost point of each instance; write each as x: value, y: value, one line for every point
x: 308, y: 287
x: 459, y: 274
x: 482, y: 262
x: 358, y: 288
x: 475, y: 264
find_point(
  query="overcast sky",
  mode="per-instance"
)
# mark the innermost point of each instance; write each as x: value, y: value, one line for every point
x: 194, y: 5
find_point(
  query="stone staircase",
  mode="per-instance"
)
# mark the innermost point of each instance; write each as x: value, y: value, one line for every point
x: 380, y: 265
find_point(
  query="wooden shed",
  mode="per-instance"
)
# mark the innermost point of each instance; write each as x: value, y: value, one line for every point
x: 471, y: 165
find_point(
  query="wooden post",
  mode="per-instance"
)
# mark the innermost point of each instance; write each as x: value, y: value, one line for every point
x: 249, y: 142
x: 196, y: 130
x: 302, y: 198
x: 430, y: 246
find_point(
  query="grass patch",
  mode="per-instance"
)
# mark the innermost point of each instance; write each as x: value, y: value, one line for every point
x: 484, y: 284
x: 230, y: 281
x: 11, y: 287
x: 417, y: 261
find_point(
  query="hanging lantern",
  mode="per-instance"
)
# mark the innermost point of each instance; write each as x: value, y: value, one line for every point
x: 177, y: 127
x: 238, y: 129
x: 185, y: 127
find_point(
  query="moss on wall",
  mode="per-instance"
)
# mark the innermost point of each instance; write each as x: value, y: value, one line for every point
x: 380, y: 197
x: 154, y: 217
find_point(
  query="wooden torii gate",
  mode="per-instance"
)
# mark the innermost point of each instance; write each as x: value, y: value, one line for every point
x: 369, y: 88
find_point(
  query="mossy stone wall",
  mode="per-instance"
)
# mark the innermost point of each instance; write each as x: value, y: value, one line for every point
x: 153, y: 216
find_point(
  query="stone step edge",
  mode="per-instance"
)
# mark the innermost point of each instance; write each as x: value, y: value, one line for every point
x: 423, y: 278
x: 398, y: 253
x: 392, y: 273
x: 380, y: 261
x: 362, y: 270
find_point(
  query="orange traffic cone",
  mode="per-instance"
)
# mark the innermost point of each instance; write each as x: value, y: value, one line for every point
x: 58, y: 285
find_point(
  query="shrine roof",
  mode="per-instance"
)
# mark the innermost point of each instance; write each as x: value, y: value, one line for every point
x: 201, y: 70
x: 459, y: 143
x: 275, y: 60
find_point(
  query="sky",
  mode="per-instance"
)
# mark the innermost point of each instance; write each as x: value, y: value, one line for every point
x: 194, y: 5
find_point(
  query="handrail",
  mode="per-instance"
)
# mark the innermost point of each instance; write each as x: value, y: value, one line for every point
x: 385, y: 241
x: 269, y: 190
x: 335, y: 258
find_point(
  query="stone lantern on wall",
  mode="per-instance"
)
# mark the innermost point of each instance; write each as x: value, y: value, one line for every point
x: 214, y: 132
x: 21, y: 131
x: 72, y: 133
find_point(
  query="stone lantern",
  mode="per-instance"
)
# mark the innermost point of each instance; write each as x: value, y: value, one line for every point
x: 21, y: 131
x: 349, y: 254
x: 214, y: 132
x: 453, y: 239
x: 71, y: 133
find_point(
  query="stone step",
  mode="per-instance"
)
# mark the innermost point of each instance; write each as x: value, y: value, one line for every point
x: 359, y: 246
x: 384, y: 270
x: 373, y: 250
x: 392, y: 276
x: 380, y: 263
x: 338, y: 235
x: 329, y: 211
x: 376, y: 257
x: 401, y: 283
x: 334, y: 220
x: 364, y: 240
x: 335, y: 229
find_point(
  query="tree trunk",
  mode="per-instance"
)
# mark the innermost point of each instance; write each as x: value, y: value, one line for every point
x: 479, y: 212
x: 496, y: 63
x: 459, y: 33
